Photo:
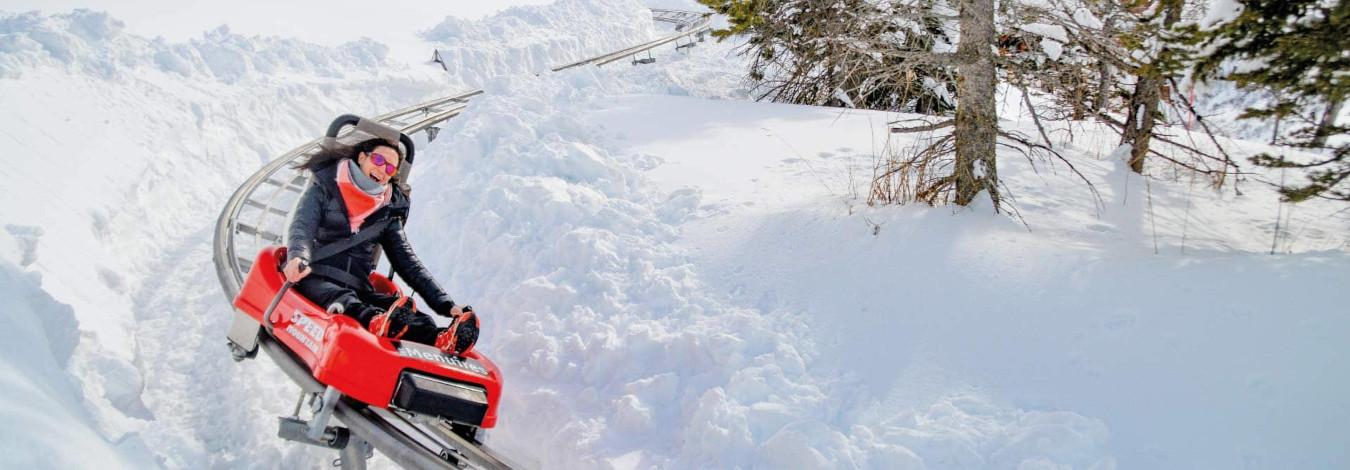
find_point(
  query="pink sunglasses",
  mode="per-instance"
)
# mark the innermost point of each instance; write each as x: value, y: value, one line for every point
x: 380, y: 160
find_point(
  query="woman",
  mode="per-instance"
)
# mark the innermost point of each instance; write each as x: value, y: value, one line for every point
x: 353, y: 203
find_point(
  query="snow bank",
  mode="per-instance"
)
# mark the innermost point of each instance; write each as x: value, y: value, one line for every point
x: 622, y: 354
x: 41, y: 407
x: 43, y: 419
x: 1208, y: 354
x: 119, y: 162
x: 94, y: 43
x: 537, y: 38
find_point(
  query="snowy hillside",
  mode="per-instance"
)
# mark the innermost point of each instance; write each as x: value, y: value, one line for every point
x: 670, y: 275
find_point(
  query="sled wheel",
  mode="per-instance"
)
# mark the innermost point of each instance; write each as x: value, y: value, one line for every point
x: 469, y: 433
x: 239, y: 353
x: 340, y: 437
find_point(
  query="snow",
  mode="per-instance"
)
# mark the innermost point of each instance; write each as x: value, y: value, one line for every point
x: 1053, y: 49
x: 1061, y: 320
x: 129, y: 161
x: 1221, y: 11
x: 536, y: 38
x: 94, y: 43
x: 1053, y: 37
x: 392, y: 22
x: 939, y: 90
x: 668, y: 274
x: 41, y: 401
x: 840, y: 95
x: 1084, y: 17
x: 1048, y: 31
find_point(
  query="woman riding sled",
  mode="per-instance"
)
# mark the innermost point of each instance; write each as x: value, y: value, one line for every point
x: 353, y: 203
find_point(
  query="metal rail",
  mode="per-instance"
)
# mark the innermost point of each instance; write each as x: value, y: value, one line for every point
x: 257, y: 213
x: 687, y: 23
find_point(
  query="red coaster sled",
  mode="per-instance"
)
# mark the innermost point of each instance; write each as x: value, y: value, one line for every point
x: 379, y: 372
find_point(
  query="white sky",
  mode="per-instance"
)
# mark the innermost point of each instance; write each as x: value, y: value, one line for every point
x: 321, y: 21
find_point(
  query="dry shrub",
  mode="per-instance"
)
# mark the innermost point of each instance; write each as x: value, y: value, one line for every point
x: 918, y: 172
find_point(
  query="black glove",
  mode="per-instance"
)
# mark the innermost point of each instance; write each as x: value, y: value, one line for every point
x: 464, y: 331
x: 367, y: 313
x: 399, y: 320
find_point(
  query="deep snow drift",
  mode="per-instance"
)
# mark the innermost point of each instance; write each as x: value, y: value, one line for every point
x: 666, y: 280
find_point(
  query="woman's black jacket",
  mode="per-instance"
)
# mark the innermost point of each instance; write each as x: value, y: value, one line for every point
x: 321, y: 218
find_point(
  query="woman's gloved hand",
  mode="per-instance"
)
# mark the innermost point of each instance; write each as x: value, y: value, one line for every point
x: 295, y: 270
x: 456, y: 311
x: 399, y: 320
x: 393, y: 323
x: 459, y: 338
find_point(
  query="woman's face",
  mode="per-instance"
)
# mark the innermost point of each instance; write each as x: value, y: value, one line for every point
x: 381, y: 173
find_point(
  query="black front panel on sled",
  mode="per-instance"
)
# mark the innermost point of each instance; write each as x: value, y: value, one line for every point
x: 461, y: 403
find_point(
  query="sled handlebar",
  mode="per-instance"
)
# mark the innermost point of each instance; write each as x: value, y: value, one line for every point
x: 267, y: 315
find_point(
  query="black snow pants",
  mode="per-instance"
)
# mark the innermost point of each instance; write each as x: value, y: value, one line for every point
x: 364, y: 305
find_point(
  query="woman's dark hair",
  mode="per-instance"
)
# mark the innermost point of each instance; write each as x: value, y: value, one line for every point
x: 339, y: 152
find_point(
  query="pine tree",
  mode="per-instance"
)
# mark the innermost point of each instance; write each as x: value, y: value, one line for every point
x: 1122, y: 62
x: 894, y: 55
x: 855, y: 53
x: 1298, y: 49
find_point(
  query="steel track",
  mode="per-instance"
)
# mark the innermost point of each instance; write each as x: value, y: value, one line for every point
x: 256, y: 216
x: 687, y: 23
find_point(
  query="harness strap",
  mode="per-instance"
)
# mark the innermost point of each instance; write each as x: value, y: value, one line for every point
x: 365, y: 235
x: 339, y: 275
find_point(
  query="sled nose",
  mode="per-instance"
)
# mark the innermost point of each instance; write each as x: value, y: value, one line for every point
x: 458, y: 402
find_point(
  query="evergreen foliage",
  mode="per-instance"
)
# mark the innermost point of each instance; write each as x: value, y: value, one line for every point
x: 855, y: 53
x: 1300, y: 51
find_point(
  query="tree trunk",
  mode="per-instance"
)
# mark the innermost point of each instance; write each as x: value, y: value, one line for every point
x: 1328, y: 121
x: 1079, y: 95
x: 1104, y: 88
x: 976, y: 117
x: 1105, y: 82
x: 1143, y: 107
x: 1139, y: 123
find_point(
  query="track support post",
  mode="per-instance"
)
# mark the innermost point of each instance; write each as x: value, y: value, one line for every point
x: 354, y: 456
x: 316, y: 431
x: 325, y: 411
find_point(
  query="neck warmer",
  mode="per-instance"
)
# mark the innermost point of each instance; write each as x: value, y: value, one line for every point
x: 364, y: 181
x: 360, y: 204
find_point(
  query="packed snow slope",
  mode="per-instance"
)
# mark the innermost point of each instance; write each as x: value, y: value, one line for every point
x: 669, y: 274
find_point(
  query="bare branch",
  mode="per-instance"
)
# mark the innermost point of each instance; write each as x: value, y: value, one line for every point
x: 927, y: 128
x: 1097, y: 197
x: 1026, y: 98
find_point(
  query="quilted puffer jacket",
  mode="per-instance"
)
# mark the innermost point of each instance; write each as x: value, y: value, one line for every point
x: 321, y: 219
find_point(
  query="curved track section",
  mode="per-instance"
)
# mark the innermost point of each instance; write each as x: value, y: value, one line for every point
x: 256, y: 216
x: 687, y: 24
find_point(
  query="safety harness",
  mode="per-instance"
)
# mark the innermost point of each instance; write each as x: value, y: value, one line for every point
x: 365, y: 235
